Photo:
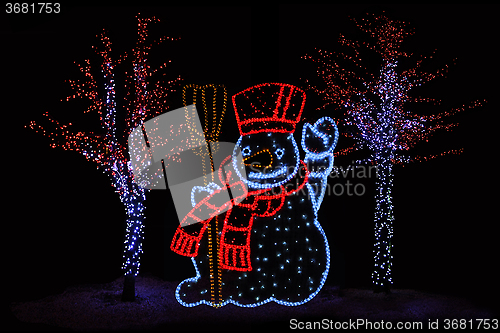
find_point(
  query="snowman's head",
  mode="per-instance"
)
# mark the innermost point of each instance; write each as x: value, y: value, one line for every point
x: 271, y: 159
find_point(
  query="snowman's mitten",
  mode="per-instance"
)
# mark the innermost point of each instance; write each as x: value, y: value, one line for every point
x: 318, y: 141
x: 200, y: 192
x: 320, y: 138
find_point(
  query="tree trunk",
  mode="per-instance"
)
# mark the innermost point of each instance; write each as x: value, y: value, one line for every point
x: 128, y: 294
x: 134, y: 205
x: 384, y: 219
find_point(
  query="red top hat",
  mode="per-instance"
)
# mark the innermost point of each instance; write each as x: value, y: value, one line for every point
x: 269, y: 107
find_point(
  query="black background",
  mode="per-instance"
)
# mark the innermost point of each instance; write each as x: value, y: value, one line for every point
x: 63, y: 223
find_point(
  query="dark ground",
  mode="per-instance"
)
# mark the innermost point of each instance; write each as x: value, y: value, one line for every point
x: 98, y: 307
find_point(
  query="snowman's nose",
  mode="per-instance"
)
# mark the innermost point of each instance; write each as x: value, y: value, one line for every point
x: 261, y: 159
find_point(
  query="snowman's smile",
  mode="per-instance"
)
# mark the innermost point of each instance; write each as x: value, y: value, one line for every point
x: 268, y: 175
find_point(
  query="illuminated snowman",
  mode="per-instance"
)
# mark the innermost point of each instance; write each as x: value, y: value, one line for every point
x: 270, y: 245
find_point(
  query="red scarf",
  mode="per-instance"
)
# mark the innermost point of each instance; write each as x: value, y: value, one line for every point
x: 235, y: 237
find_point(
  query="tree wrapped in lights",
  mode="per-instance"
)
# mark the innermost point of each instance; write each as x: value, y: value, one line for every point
x: 376, y: 116
x: 145, y: 98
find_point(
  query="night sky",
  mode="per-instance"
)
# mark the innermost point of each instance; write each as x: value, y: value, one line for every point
x: 65, y: 224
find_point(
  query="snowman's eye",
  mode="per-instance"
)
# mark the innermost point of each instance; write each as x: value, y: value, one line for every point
x: 279, y: 153
x: 246, y: 151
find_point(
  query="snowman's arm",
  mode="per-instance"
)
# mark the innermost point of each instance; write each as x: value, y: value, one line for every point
x: 318, y: 141
x: 319, y: 168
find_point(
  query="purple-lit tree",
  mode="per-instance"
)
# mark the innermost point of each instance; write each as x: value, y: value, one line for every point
x: 145, y: 97
x: 376, y: 115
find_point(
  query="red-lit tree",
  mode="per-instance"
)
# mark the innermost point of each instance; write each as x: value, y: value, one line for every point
x: 376, y: 115
x: 145, y: 97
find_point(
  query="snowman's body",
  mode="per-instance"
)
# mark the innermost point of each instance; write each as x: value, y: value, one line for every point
x: 289, y: 254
